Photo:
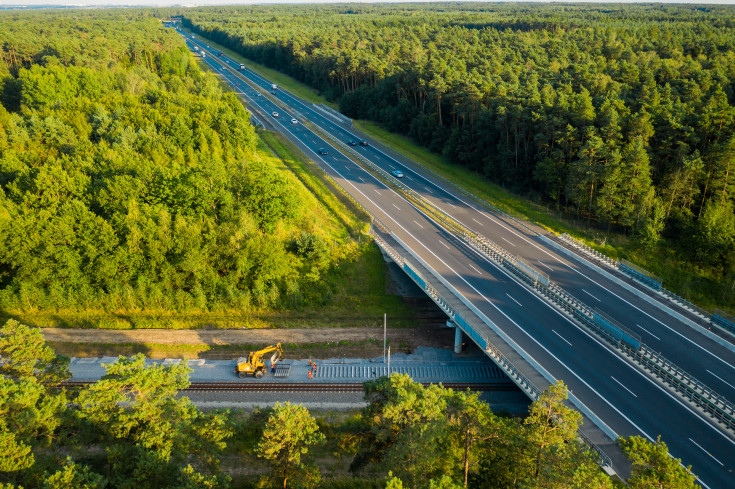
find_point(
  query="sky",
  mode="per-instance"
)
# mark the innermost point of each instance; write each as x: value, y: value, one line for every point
x: 193, y: 3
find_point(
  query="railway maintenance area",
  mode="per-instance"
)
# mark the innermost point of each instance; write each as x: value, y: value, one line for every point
x: 331, y: 384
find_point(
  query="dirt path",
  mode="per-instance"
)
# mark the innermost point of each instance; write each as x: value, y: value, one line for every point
x: 425, y: 336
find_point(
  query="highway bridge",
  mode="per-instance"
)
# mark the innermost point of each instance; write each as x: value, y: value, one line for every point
x: 634, y: 363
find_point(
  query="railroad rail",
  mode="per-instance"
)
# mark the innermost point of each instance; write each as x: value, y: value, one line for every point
x: 311, y: 387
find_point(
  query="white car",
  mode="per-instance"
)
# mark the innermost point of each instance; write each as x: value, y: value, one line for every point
x: 397, y: 173
x: 275, y: 114
x: 294, y: 121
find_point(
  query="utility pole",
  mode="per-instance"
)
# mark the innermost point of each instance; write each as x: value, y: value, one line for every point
x: 384, y: 334
x: 389, y: 361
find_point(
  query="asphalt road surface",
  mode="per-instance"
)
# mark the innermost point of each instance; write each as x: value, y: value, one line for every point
x: 624, y: 397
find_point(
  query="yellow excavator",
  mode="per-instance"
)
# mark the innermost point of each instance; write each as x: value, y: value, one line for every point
x: 253, y: 364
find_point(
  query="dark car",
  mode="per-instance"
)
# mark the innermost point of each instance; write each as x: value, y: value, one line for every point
x: 322, y: 151
x: 353, y: 142
x: 363, y: 142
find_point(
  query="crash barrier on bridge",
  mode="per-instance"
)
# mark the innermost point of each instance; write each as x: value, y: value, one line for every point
x: 702, y: 396
x: 717, y: 318
x: 631, y: 346
x: 493, y: 352
x: 640, y: 274
x: 724, y: 320
x: 616, y: 330
x: 677, y: 378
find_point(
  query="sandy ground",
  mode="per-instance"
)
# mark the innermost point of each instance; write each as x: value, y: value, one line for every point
x: 424, y: 336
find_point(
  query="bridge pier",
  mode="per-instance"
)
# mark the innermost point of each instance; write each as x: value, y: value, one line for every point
x: 458, y: 336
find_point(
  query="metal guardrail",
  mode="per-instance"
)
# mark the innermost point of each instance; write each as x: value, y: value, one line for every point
x: 723, y: 320
x: 591, y: 252
x: 603, y: 326
x: 491, y: 350
x: 717, y: 318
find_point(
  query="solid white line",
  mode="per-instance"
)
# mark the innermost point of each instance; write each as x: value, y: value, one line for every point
x: 644, y: 329
x: 705, y: 451
x: 660, y: 322
x: 728, y: 383
x: 511, y: 298
x: 475, y: 269
x: 562, y: 338
x: 506, y: 241
x: 599, y: 342
x: 544, y: 264
x: 417, y: 223
x: 621, y: 385
x: 396, y: 207
x: 595, y: 298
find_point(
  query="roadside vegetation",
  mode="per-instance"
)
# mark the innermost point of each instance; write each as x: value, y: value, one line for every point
x: 136, y: 194
x: 131, y: 430
x: 616, y: 124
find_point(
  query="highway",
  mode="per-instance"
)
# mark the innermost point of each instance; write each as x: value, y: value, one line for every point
x: 622, y: 395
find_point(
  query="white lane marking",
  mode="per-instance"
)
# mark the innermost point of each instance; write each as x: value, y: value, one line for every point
x: 396, y: 207
x: 475, y: 269
x: 417, y: 223
x: 377, y: 191
x: 705, y: 451
x: 574, y: 374
x: 644, y: 329
x: 621, y: 385
x: 445, y: 245
x: 506, y: 241
x: 595, y: 298
x: 660, y: 322
x: 545, y: 265
x: 589, y: 335
x: 728, y: 383
x: 562, y: 338
x: 361, y: 179
x: 511, y: 298
x: 427, y: 189
x: 478, y: 222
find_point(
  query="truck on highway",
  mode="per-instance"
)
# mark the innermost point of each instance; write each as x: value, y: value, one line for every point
x: 242, y: 67
x: 274, y: 86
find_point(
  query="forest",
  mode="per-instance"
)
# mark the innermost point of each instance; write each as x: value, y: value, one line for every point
x: 131, y: 430
x: 131, y: 181
x: 621, y: 117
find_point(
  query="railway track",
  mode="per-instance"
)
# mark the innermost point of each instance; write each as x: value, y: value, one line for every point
x: 310, y: 387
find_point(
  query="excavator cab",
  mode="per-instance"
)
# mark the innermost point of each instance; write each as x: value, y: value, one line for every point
x: 254, y: 365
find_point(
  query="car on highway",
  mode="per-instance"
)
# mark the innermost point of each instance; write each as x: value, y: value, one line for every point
x: 322, y: 151
x: 397, y: 173
x: 260, y: 94
x: 294, y: 121
x: 353, y: 142
x: 363, y: 142
x: 275, y: 114
x: 273, y: 92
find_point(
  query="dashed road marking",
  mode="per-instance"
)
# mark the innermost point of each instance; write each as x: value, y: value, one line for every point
x: 560, y: 336
x: 621, y: 385
x: 595, y: 298
x: 511, y: 298
x: 644, y: 329
x: 705, y: 451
